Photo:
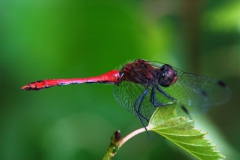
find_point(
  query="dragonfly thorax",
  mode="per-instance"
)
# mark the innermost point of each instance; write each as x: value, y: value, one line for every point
x: 139, y: 71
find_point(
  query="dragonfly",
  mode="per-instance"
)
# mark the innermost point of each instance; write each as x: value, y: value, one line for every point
x: 142, y: 86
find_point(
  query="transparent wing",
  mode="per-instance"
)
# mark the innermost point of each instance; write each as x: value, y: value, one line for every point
x: 126, y: 94
x: 194, y: 92
x: 197, y: 93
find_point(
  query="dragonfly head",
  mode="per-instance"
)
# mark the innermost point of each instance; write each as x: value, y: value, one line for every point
x: 167, y: 76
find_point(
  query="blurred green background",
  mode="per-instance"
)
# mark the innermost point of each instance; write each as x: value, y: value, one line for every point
x: 67, y: 39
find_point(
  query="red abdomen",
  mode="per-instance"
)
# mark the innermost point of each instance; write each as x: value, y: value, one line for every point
x: 40, y: 85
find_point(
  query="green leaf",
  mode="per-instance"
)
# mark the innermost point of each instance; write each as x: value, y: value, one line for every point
x: 179, y: 130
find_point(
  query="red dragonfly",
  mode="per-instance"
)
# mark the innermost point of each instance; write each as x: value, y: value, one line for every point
x: 141, y: 86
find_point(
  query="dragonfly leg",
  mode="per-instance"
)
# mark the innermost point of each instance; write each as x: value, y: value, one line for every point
x: 138, y: 109
x: 164, y: 93
x: 154, y: 101
x: 158, y: 104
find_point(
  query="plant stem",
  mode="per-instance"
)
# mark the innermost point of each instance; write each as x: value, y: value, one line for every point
x: 129, y: 136
x: 116, y: 144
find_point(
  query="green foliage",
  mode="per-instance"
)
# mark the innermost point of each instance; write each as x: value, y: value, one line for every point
x: 181, y: 132
x: 68, y: 39
x: 175, y: 128
x: 223, y: 17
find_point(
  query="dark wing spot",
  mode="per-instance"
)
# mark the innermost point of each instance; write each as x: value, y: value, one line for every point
x: 222, y: 84
x: 185, y: 109
x: 203, y: 93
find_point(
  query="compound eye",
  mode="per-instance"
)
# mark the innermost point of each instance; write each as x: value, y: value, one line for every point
x: 168, y: 75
